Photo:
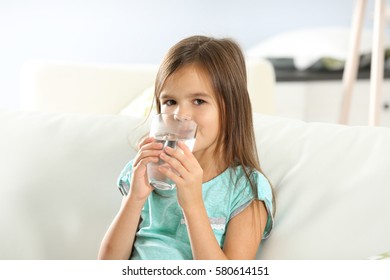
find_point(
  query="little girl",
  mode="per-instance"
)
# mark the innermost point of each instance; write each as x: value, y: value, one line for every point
x: 222, y: 206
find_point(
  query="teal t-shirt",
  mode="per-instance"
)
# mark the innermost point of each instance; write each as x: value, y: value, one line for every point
x: 162, y: 233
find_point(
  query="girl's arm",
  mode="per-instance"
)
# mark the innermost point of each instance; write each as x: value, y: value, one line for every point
x: 119, y: 239
x: 245, y: 231
x: 242, y: 238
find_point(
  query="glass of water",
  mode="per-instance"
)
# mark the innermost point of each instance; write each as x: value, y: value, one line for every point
x: 168, y: 129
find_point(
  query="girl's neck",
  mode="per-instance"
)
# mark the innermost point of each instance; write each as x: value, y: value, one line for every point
x: 211, y: 166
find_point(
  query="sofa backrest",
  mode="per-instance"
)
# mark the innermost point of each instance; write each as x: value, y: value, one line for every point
x: 51, y: 86
x: 82, y: 88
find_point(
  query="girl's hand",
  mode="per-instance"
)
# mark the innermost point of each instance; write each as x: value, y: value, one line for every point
x: 187, y: 174
x: 148, y: 151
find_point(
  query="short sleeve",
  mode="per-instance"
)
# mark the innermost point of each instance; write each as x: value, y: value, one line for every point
x: 243, y: 196
x: 124, y: 179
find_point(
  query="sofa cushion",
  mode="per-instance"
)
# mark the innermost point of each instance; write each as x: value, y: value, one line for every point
x: 332, y: 187
x: 141, y: 106
x: 58, y: 177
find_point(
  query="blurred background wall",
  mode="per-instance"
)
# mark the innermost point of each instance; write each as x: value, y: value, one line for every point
x: 134, y: 31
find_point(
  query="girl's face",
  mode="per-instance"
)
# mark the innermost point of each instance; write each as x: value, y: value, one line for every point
x: 188, y: 92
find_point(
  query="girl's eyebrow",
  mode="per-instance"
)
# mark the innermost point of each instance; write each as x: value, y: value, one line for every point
x: 199, y: 95
x: 191, y: 95
x: 165, y: 96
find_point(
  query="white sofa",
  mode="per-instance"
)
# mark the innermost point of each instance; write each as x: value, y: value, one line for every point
x: 58, y: 189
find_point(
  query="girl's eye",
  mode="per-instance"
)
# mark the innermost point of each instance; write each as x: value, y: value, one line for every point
x: 199, y: 101
x: 169, y: 102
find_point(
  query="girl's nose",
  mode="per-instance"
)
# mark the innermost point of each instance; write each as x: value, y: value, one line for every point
x: 180, y: 117
x: 183, y: 112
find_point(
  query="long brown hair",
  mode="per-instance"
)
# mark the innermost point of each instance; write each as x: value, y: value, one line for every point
x: 223, y: 61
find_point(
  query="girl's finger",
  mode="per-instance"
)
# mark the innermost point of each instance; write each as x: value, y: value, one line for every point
x: 145, y: 141
x: 149, y: 149
x: 174, y: 176
x: 175, y: 164
x: 151, y: 146
x: 184, y: 148
x: 183, y: 155
x: 145, y: 154
x: 144, y: 162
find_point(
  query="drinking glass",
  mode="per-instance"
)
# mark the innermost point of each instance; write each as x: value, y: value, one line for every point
x: 168, y: 129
